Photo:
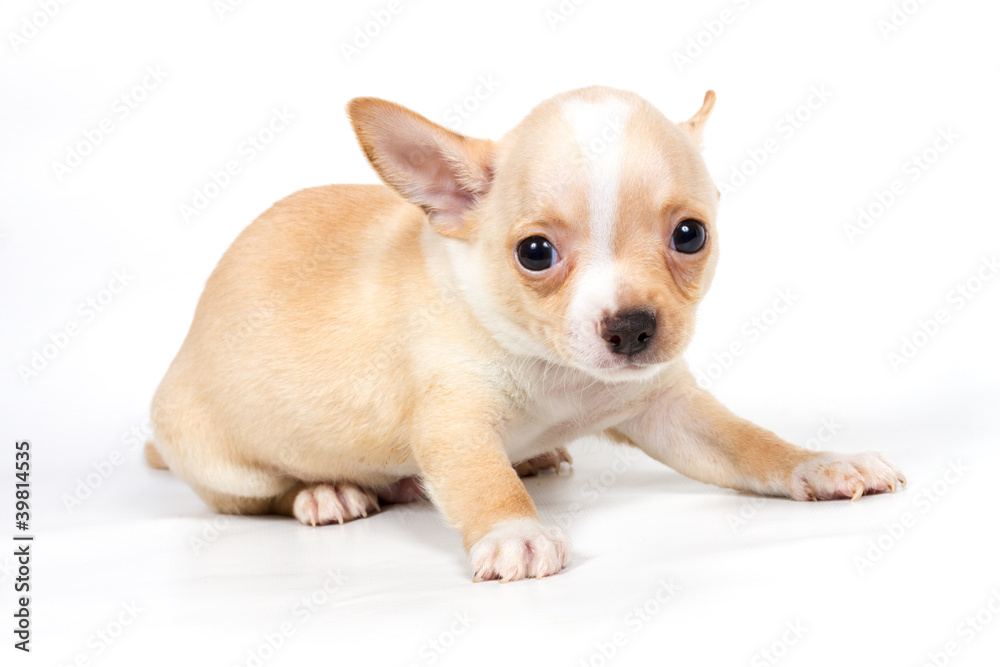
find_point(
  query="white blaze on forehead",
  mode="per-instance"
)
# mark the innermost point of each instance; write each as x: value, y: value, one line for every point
x: 599, y: 129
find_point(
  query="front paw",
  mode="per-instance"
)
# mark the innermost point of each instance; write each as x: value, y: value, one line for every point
x: 830, y: 475
x: 519, y: 549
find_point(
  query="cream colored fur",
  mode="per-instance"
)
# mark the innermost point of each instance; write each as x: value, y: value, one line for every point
x: 357, y: 336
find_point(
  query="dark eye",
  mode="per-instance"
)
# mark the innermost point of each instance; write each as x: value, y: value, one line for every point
x: 536, y: 253
x: 689, y: 236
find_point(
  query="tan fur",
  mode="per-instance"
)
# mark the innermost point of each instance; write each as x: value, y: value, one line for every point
x: 357, y: 335
x: 153, y: 458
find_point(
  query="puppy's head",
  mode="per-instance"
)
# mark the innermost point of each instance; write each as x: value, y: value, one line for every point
x: 585, y: 236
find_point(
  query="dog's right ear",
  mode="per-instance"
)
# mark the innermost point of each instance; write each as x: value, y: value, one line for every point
x: 443, y: 172
x: 696, y: 123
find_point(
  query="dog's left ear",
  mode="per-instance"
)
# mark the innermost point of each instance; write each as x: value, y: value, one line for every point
x: 696, y: 123
x: 443, y: 172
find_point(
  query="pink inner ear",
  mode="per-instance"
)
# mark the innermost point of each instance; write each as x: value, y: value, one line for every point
x: 441, y: 171
x: 434, y: 179
x: 445, y: 180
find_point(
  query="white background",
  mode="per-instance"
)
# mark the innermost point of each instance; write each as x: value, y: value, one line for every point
x: 742, y: 569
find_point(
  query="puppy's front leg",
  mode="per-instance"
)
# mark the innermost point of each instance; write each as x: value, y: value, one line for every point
x: 686, y: 428
x: 468, y: 475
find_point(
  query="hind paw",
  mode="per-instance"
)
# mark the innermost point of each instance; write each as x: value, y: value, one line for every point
x: 320, y: 504
x: 553, y: 459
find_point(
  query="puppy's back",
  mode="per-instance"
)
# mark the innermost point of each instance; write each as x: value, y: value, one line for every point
x: 288, y: 324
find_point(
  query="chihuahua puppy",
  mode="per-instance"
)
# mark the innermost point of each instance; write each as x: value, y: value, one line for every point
x: 461, y: 324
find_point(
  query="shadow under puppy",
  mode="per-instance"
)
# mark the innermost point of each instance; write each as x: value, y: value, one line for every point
x: 496, y: 301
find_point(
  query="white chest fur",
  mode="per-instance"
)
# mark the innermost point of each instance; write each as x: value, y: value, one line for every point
x: 554, y: 405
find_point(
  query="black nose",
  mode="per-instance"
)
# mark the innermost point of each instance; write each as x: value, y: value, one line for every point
x: 629, y: 332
